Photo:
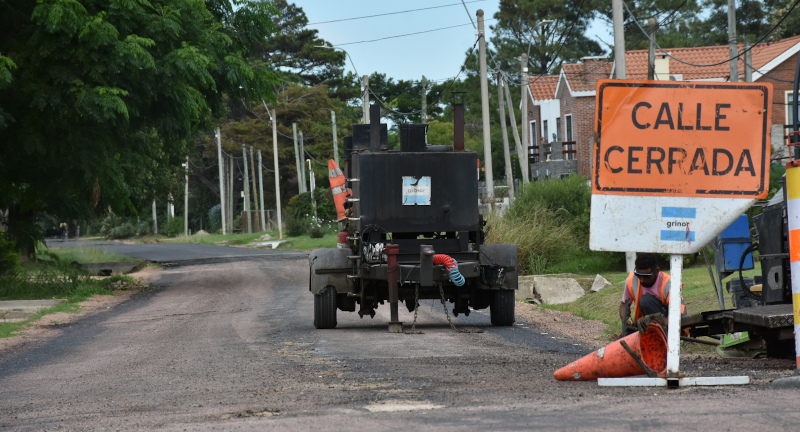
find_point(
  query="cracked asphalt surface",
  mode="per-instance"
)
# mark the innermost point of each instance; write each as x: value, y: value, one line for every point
x: 228, y: 344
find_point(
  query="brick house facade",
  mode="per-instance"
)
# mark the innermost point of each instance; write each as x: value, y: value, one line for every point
x: 574, y: 94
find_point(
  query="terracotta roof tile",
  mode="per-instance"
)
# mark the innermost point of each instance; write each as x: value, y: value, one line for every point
x: 584, y: 76
x: 636, y: 61
x: 543, y: 87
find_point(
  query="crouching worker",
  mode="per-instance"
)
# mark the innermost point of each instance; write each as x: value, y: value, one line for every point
x: 647, y: 289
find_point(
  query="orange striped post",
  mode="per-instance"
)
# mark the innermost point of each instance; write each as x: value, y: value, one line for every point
x: 793, y: 216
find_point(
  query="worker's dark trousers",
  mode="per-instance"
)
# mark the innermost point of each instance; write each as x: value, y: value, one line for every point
x: 650, y: 304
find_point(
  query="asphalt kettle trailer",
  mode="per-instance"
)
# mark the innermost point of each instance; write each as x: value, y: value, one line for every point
x: 412, y: 231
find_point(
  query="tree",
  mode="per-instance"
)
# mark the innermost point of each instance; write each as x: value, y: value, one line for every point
x: 518, y: 31
x: 105, y: 97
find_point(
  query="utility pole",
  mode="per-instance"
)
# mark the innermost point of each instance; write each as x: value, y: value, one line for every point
x: 734, y: 49
x: 297, y: 160
x: 221, y: 180
x: 523, y: 121
x: 155, y: 218
x: 619, y: 40
x: 246, y: 187
x: 424, y: 99
x: 312, y: 186
x: 186, y: 200
x: 521, y: 153
x: 619, y: 73
x: 302, y: 158
x: 487, y: 144
x: 335, y: 143
x: 230, y: 196
x: 748, y: 62
x: 365, y: 98
x: 255, y: 185
x: 261, y: 192
x: 277, y: 175
x: 506, y: 155
x: 651, y: 55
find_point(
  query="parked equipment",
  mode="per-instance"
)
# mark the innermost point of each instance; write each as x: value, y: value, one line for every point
x: 412, y: 231
x: 762, y: 306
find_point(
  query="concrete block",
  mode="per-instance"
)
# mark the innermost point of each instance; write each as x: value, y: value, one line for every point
x: 525, y: 290
x: 599, y: 283
x: 555, y: 290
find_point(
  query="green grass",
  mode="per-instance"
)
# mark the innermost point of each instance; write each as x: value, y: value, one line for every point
x: 698, y: 294
x: 82, y: 255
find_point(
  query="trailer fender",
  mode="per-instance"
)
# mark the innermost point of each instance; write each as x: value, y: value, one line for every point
x: 329, y: 267
x: 499, y: 269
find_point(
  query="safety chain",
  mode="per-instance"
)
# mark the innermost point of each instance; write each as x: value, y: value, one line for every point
x: 447, y: 314
x: 416, y: 308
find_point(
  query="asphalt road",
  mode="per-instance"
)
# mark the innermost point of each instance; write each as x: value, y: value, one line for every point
x: 228, y: 344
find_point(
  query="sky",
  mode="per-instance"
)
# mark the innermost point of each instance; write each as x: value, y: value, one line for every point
x: 437, y: 54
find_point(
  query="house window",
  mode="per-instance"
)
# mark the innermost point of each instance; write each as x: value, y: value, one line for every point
x: 534, y: 138
x: 544, y: 131
x: 568, y: 127
x: 789, y: 108
x: 557, y: 136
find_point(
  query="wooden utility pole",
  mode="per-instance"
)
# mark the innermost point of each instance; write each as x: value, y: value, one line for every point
x: 521, y: 153
x: 277, y: 174
x: 261, y: 192
x: 335, y: 143
x: 651, y: 54
x: 734, y: 49
x: 424, y: 99
x: 619, y: 39
x: 365, y: 98
x: 297, y: 159
x: 524, y: 123
x: 220, y: 163
x: 246, y: 187
x: 748, y: 62
x: 302, y: 165
x: 506, y: 155
x: 186, y: 200
x: 255, y: 185
x: 487, y: 143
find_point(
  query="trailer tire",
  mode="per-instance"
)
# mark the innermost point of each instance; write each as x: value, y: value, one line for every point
x: 502, y: 308
x: 325, y: 308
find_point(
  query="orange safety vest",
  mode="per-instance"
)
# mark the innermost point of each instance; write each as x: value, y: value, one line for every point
x: 636, y: 293
x: 340, y: 193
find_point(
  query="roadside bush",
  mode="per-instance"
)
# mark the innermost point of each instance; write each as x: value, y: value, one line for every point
x: 215, y: 219
x: 174, y: 227
x: 316, y: 230
x: 9, y: 256
x: 549, y: 222
x: 296, y: 226
x: 300, y: 205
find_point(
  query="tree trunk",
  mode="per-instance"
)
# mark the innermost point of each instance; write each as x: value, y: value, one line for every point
x: 23, y: 231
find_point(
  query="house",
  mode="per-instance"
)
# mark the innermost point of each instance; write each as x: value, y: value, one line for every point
x: 562, y: 115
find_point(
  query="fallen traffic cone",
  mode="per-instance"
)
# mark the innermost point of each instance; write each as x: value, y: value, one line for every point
x: 648, y: 354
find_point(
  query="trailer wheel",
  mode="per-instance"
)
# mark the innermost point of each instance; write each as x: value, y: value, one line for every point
x: 502, y: 309
x: 325, y: 308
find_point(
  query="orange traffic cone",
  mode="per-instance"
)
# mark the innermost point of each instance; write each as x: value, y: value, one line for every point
x: 614, y: 361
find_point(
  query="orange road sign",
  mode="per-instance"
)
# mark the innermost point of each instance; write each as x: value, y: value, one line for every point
x: 684, y: 139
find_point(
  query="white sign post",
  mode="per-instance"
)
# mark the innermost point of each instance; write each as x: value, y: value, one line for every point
x: 674, y: 165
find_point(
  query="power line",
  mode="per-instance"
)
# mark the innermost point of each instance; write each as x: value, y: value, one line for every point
x: 404, y: 35
x: 392, y: 13
x: 646, y: 35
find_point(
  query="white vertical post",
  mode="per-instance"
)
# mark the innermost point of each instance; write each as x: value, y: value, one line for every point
x: 246, y: 186
x: 335, y: 143
x: 277, y: 175
x: 793, y: 217
x: 221, y: 180
x: 186, y: 200
x: 155, y: 218
x: 261, y: 192
x: 674, y: 319
x: 487, y: 138
x: 619, y: 39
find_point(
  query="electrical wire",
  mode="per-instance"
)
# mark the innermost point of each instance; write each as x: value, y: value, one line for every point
x: 646, y: 35
x: 393, y: 13
x: 404, y: 35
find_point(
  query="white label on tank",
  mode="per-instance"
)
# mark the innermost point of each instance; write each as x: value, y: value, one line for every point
x: 416, y: 191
